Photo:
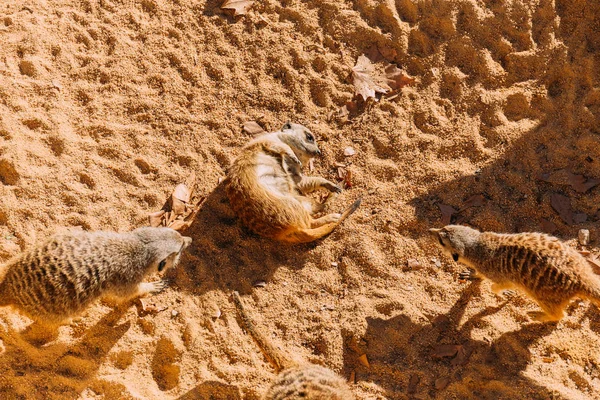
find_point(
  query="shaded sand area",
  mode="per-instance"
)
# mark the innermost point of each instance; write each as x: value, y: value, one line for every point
x: 106, y: 105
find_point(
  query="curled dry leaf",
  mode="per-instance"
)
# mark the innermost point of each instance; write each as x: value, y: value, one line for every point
x: 412, y: 383
x: 445, y: 350
x: 179, y: 211
x: 562, y: 205
x: 397, y: 78
x: 237, y: 7
x: 364, y: 84
x: 364, y: 360
x: 441, y: 383
x: 447, y: 212
x: 476, y: 200
x: 580, y: 183
x: 252, y: 128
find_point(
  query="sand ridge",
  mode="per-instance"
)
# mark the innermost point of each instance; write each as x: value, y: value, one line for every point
x: 106, y: 105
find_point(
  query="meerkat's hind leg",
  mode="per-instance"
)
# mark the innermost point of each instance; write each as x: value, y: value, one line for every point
x: 324, y: 220
x: 552, y: 312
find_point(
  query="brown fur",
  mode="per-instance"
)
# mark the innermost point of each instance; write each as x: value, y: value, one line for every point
x: 62, y: 276
x: 294, y: 382
x: 540, y: 265
x: 268, y: 192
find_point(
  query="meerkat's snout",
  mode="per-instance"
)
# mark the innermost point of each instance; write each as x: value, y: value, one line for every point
x: 186, y: 242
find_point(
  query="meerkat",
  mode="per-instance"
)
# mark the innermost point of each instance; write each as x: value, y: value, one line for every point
x: 295, y: 381
x: 61, y: 277
x: 542, y: 266
x: 267, y: 190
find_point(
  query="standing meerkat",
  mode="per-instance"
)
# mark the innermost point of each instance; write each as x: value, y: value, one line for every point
x: 294, y: 382
x: 61, y: 277
x: 542, y: 266
x: 267, y: 190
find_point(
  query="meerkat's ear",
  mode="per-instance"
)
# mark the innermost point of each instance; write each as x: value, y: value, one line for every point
x: 287, y: 125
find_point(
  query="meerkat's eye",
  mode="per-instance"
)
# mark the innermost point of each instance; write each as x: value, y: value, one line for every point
x: 162, y: 265
x: 310, y: 137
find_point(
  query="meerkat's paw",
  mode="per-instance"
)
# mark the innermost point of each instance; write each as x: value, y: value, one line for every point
x: 146, y: 288
x: 333, y: 188
x: 539, y: 316
x: 510, y: 294
x: 469, y: 275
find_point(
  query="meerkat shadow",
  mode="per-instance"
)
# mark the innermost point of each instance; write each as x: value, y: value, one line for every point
x: 62, y: 370
x: 402, y: 350
x: 213, y: 390
x: 225, y: 255
x: 593, y: 313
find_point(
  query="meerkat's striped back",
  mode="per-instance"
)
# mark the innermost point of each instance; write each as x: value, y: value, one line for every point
x: 544, y: 267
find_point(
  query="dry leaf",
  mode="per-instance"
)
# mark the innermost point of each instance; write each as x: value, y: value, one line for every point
x: 447, y: 212
x: 581, y: 184
x: 364, y: 361
x: 181, y: 193
x: 562, y: 205
x: 155, y: 218
x: 348, y: 180
x: 238, y: 7
x: 412, y: 384
x: 595, y: 263
x: 445, y: 350
x: 252, y: 128
x: 476, y: 200
x: 441, y: 383
x: 548, y: 226
x: 364, y: 85
x: 397, y: 78
x: 462, y: 356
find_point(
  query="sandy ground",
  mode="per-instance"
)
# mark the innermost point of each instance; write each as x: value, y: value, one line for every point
x: 106, y: 105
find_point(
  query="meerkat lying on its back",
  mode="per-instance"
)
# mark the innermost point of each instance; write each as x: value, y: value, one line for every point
x: 294, y: 382
x: 267, y: 190
x: 59, y: 278
x: 545, y: 268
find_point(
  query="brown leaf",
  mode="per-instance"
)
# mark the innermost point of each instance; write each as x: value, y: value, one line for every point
x: 155, y: 219
x: 548, y: 226
x: 238, y: 7
x: 447, y: 212
x: 562, y: 205
x: 364, y: 85
x: 580, y: 183
x: 182, y: 193
x: 252, y: 128
x: 177, y: 206
x: 462, y: 356
x: 179, y: 224
x: 445, y: 350
x: 441, y: 383
x: 348, y: 180
x: 412, y: 384
x: 397, y: 78
x: 476, y: 200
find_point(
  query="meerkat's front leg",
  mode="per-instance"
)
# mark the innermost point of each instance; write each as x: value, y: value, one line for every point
x: 309, y: 184
x: 147, y: 288
x: 470, y: 275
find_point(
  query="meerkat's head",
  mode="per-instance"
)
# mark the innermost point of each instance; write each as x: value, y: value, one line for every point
x: 455, y: 239
x: 301, y: 140
x: 164, y: 246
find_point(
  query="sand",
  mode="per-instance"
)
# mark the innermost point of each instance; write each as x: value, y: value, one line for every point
x: 106, y: 105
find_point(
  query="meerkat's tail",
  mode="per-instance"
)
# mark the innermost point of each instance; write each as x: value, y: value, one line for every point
x: 302, y: 235
x: 275, y: 356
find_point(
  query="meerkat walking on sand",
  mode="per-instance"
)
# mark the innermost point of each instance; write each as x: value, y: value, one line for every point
x: 294, y: 382
x: 267, y: 190
x: 61, y: 277
x: 542, y: 266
